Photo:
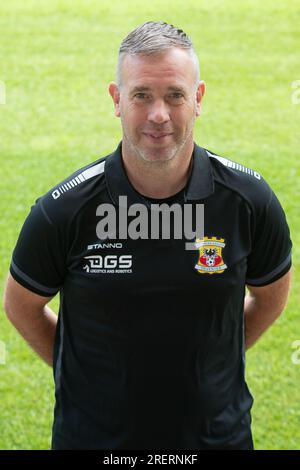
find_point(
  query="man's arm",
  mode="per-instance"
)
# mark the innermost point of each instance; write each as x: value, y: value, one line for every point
x: 263, y: 305
x: 33, y: 319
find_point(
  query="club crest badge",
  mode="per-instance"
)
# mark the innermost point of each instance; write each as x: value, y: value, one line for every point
x: 210, y: 255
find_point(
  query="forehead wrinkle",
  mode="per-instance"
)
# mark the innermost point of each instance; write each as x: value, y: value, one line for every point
x: 141, y: 88
x: 160, y: 72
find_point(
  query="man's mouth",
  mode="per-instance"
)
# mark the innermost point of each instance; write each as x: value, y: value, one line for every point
x: 156, y: 136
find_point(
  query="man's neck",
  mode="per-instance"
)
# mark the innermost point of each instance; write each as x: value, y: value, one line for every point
x: 159, y: 180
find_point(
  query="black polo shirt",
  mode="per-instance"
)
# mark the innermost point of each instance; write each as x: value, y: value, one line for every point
x: 149, y: 349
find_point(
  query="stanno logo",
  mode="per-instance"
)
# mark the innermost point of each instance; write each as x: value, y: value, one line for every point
x: 110, y: 264
x: 102, y: 246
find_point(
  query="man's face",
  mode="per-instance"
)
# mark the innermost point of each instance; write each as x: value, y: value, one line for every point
x: 158, y: 103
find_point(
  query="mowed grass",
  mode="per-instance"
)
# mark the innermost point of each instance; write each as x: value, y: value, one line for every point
x: 57, y: 59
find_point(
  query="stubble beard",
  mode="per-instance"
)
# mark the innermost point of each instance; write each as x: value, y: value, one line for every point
x: 148, y: 156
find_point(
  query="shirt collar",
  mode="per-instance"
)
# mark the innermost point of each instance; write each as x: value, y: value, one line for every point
x: 199, y: 186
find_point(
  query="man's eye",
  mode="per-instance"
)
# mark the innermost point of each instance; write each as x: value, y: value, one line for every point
x: 176, y: 96
x: 140, y: 96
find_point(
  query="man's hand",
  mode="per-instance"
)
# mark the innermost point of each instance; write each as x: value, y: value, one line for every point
x: 30, y: 315
x: 262, y: 307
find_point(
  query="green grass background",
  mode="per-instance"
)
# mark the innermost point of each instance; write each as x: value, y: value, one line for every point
x: 57, y: 58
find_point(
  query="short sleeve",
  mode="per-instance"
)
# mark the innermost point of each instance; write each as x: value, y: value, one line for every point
x: 38, y: 260
x: 270, y: 256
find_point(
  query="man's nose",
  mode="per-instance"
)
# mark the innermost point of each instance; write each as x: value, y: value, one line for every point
x: 159, y: 112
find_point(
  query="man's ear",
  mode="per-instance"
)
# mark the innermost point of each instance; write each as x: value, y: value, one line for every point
x: 199, y: 95
x: 115, y: 94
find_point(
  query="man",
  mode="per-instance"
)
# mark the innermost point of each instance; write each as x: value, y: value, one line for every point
x: 149, y: 347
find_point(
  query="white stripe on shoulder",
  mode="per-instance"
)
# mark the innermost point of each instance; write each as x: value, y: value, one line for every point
x: 93, y: 171
x: 234, y: 165
x: 80, y: 178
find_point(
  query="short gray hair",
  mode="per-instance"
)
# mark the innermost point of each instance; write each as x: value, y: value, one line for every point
x: 153, y: 38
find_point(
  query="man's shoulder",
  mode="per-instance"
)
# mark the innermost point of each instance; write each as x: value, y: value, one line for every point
x: 74, y: 183
x: 237, y: 177
x: 65, y: 198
